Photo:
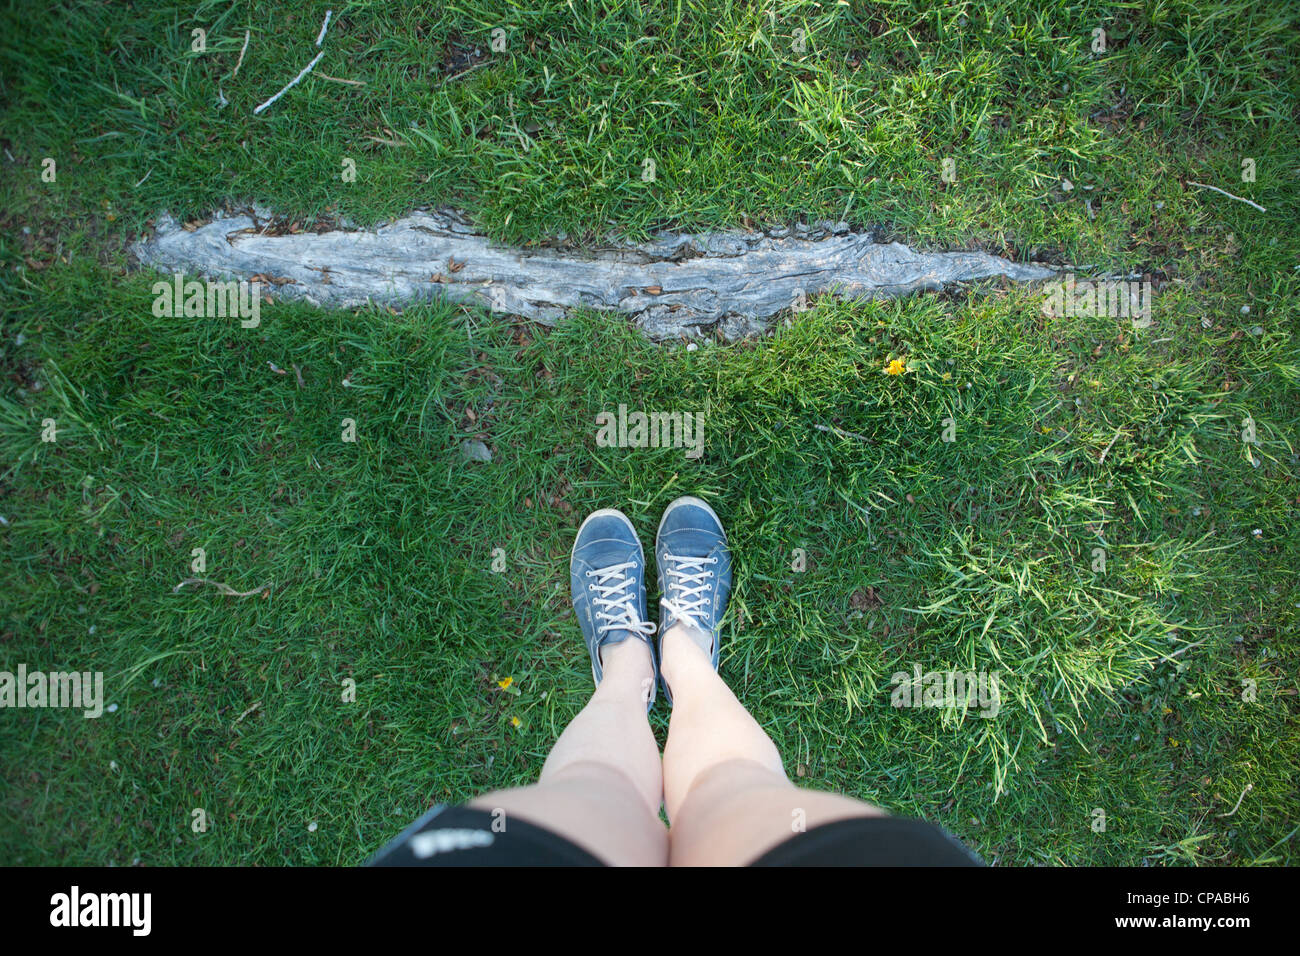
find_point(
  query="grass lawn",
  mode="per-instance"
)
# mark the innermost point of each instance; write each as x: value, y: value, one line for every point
x: 1160, y: 691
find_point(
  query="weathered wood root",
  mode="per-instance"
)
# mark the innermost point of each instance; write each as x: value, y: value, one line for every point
x: 672, y: 286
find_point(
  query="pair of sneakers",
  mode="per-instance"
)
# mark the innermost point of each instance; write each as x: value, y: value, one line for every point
x: 607, y: 578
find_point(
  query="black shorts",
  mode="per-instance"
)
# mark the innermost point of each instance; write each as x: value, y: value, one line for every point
x: 461, y: 836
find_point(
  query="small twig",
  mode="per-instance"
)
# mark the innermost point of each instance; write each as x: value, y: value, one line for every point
x: 842, y: 433
x: 146, y: 176
x: 1228, y: 194
x: 256, y: 705
x: 292, y: 83
x: 1114, y: 439
x: 1249, y: 787
x: 1182, y: 650
x: 223, y: 588
x: 242, y: 50
x: 336, y: 79
x: 324, y: 26
x: 457, y: 76
x: 298, y: 374
x: 1186, y: 647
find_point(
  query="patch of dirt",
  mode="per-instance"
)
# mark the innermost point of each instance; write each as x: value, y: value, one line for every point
x: 864, y: 599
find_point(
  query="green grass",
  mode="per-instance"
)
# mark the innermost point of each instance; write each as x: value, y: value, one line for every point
x: 1122, y: 690
x: 737, y: 123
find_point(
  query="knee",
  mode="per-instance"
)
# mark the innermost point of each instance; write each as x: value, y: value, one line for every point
x: 726, y: 808
x: 592, y: 780
x: 736, y: 811
x: 592, y: 805
x: 712, y: 788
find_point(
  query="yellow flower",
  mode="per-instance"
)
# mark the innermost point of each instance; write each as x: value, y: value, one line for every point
x: 515, y: 721
x: 895, y: 367
x: 505, y: 684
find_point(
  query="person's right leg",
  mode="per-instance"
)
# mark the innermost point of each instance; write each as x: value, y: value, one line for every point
x: 726, y: 793
x: 601, y: 786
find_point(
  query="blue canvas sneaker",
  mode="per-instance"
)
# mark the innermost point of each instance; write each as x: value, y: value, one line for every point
x: 607, y: 578
x: 694, y: 573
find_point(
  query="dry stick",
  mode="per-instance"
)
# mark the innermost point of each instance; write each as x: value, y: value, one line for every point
x: 1115, y: 438
x: 223, y: 588
x: 842, y: 433
x: 292, y: 83
x: 335, y: 79
x: 324, y: 26
x: 1249, y: 787
x: 1178, y: 653
x: 457, y: 76
x: 1185, y: 648
x: 242, y: 51
x: 1228, y: 194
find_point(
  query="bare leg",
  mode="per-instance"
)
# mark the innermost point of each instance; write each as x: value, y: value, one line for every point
x: 602, y: 783
x: 725, y: 788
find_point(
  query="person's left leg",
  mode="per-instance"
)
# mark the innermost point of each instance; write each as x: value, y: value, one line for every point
x: 725, y: 788
x: 602, y: 783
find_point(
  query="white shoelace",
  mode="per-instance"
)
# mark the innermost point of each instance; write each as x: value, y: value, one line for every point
x: 687, y: 587
x: 620, y: 610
